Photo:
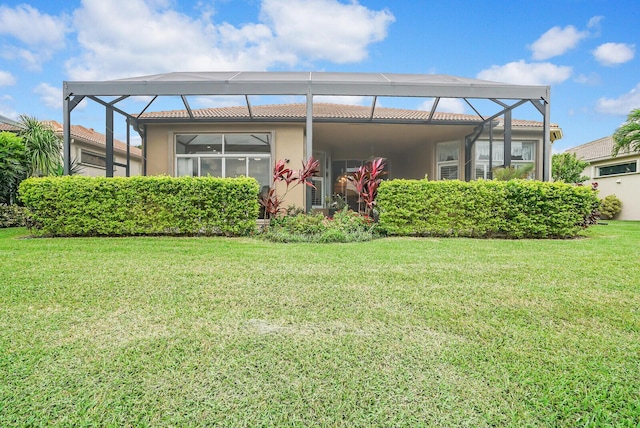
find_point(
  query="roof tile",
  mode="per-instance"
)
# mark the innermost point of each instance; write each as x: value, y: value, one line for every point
x: 324, y: 111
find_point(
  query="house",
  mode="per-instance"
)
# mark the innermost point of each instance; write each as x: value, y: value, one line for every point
x: 88, y: 149
x: 234, y: 141
x: 618, y: 175
x: 249, y: 139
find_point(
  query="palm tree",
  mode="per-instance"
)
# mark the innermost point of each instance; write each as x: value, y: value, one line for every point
x: 627, y: 136
x: 42, y: 146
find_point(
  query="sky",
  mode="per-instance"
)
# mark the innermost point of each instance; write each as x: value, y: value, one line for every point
x: 586, y: 50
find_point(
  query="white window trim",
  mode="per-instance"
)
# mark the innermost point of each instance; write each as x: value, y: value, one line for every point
x: 498, y: 163
x: 455, y: 162
x: 596, y: 169
x: 224, y: 155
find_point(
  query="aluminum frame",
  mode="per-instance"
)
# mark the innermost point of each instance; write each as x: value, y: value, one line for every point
x: 308, y: 84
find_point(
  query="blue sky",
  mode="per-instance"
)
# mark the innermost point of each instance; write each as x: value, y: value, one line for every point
x: 587, y: 50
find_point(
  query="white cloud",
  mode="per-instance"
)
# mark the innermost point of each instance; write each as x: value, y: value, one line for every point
x: 524, y: 73
x: 49, y: 95
x: 32, y: 27
x: 591, y: 79
x: 137, y: 37
x: 445, y: 105
x: 325, y: 29
x: 622, y: 105
x: 610, y: 54
x: 556, y: 41
x: 6, y: 78
x: 41, y: 33
x: 7, y: 111
x: 594, y: 22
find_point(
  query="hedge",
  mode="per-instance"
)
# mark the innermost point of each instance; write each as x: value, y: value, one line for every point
x: 96, y: 206
x: 509, y: 209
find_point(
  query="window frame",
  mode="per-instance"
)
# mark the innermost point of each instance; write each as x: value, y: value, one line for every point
x: 447, y: 163
x: 97, y: 155
x: 609, y: 165
x: 498, y: 148
x: 223, y: 155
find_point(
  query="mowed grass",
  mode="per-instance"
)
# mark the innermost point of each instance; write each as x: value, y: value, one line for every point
x: 153, y: 331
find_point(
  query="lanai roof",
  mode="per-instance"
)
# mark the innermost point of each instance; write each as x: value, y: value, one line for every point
x: 301, y: 83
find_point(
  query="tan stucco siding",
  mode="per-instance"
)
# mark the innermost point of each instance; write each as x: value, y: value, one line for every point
x: 288, y: 143
x: 625, y: 186
x: 135, y: 165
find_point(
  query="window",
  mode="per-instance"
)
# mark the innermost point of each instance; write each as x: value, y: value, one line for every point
x: 621, y: 168
x: 93, y: 159
x: 224, y: 155
x: 448, y: 155
x: 522, y: 153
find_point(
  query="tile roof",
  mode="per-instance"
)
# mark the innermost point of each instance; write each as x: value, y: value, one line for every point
x: 596, y: 150
x: 90, y: 136
x: 322, y: 111
x: 6, y: 127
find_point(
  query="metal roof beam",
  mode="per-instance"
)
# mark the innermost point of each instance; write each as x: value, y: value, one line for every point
x: 106, y: 104
x: 246, y: 97
x: 373, y: 107
x: 186, y: 105
x: 433, y: 108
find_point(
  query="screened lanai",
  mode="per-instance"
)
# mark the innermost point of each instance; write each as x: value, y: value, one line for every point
x: 501, y: 98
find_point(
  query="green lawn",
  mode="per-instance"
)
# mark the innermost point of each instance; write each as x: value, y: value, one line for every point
x: 392, y: 332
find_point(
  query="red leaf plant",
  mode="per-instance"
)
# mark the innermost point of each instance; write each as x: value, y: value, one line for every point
x: 271, y: 201
x: 366, y: 180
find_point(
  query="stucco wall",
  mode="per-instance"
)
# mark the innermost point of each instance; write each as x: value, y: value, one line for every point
x: 288, y: 143
x: 135, y: 165
x: 626, y: 187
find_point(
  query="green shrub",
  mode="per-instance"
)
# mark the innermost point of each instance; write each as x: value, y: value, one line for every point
x: 610, y: 206
x: 511, y: 209
x: 12, y: 216
x: 94, y: 206
x: 346, y: 226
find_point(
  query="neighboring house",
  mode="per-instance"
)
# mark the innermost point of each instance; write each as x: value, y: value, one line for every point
x: 88, y: 150
x: 234, y: 141
x: 618, y: 175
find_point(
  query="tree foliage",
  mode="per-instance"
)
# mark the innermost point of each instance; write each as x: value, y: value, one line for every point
x: 43, y: 147
x: 12, y: 166
x: 568, y: 168
x: 627, y: 136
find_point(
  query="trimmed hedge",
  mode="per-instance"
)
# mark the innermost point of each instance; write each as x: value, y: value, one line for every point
x: 95, y: 206
x: 511, y: 209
